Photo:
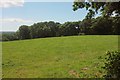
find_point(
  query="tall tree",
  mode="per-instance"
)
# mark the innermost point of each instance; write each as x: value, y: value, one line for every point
x: 106, y: 8
x: 103, y: 25
x: 85, y: 26
x: 24, y: 32
x: 69, y: 29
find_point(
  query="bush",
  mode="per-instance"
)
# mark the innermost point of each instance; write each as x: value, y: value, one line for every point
x: 112, y: 64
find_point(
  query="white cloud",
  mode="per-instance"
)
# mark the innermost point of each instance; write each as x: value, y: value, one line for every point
x: 13, y: 24
x: 11, y: 3
x: 18, y: 20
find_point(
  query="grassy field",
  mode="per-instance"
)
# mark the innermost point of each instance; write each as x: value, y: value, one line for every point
x: 60, y: 57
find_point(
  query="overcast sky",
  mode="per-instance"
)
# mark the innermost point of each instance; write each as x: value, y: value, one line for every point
x: 15, y: 13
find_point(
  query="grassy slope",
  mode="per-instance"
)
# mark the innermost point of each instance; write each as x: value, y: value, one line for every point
x: 57, y: 57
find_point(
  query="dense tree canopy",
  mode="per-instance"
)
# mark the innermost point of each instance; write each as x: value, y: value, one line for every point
x: 24, y: 32
x: 94, y: 26
x: 69, y: 28
x: 103, y: 26
x: 44, y: 29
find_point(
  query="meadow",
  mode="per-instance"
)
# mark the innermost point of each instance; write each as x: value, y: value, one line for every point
x: 58, y: 57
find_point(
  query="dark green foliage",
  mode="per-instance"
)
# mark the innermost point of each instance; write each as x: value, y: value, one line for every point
x: 105, y: 8
x: 53, y: 27
x: 116, y: 25
x: 94, y: 26
x: 112, y: 64
x: 44, y: 29
x: 85, y: 26
x: 24, y: 32
x: 103, y: 26
x: 69, y: 29
x: 9, y: 36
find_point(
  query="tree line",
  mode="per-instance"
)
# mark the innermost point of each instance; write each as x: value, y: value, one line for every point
x: 93, y: 26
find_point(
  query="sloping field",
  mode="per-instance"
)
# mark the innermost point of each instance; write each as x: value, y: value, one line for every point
x: 60, y: 57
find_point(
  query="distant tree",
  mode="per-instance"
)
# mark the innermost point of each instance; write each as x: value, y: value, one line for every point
x: 103, y: 26
x: 69, y: 29
x: 85, y: 26
x: 5, y: 37
x: 45, y: 29
x: 9, y: 37
x: 97, y: 26
x: 54, y: 27
x: 33, y: 32
x: 24, y: 32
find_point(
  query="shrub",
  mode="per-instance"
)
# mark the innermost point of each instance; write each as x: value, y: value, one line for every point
x: 112, y: 64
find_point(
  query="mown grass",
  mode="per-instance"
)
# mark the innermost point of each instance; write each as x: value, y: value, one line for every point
x: 60, y: 57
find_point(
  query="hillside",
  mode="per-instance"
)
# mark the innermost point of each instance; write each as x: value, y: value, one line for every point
x: 59, y: 57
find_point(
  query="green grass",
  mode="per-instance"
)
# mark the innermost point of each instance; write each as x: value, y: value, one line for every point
x: 60, y: 57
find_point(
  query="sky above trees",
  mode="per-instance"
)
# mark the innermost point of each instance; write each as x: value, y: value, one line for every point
x: 28, y: 13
